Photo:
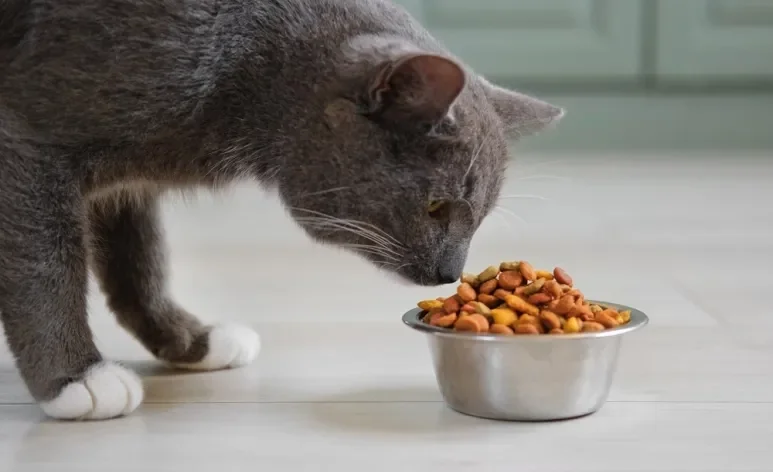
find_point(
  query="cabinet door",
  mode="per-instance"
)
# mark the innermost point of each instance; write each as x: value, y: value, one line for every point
x: 557, y: 40
x: 714, y: 39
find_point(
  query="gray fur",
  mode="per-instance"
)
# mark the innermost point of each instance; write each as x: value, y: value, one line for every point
x: 348, y: 108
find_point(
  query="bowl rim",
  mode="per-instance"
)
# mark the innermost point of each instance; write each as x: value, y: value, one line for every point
x: 638, y: 320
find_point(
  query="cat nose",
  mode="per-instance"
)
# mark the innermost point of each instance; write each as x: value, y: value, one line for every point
x: 448, y: 272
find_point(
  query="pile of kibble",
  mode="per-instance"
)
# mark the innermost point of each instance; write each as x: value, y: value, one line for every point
x: 514, y: 298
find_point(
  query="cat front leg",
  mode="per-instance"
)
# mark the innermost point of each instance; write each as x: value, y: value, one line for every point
x: 43, y: 281
x: 128, y: 257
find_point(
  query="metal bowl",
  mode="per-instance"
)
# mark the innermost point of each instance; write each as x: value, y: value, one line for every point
x: 525, y: 378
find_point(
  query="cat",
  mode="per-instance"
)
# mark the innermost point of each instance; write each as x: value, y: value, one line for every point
x: 375, y: 138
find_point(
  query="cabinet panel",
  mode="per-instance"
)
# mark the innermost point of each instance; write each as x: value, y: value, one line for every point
x: 558, y: 40
x: 714, y: 39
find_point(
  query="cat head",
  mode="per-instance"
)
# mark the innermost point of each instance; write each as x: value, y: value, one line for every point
x: 407, y: 158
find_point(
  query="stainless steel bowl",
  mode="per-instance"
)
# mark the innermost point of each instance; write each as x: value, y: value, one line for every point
x: 525, y: 378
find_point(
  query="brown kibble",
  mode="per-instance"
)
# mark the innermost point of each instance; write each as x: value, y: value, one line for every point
x: 471, y: 279
x: 501, y: 329
x: 539, y: 298
x: 550, y: 320
x: 428, y: 305
x: 543, y: 274
x: 534, y: 287
x: 489, y: 300
x: 488, y: 287
x: 552, y: 288
x: 556, y: 331
x: 562, y: 277
x: 582, y: 312
x: 607, y: 318
x: 564, y: 305
x: 526, y: 328
x: 442, y: 320
x: 533, y: 320
x: 592, y: 326
x: 488, y: 274
x: 521, y: 289
x: 474, y: 323
x: 451, y: 305
x: 501, y: 293
x: 527, y: 271
x: 520, y: 305
x: 510, y: 280
x: 505, y: 266
x: 466, y: 292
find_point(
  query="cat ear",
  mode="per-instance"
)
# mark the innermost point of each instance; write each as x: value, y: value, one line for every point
x: 419, y: 88
x: 522, y: 115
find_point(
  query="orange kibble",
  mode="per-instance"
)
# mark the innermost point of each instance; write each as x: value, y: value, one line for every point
x: 442, y: 320
x: 592, y: 326
x: 488, y: 287
x: 550, y: 320
x: 520, y: 305
x: 552, y: 288
x: 473, y: 323
x: 564, y: 305
x: 501, y: 329
x: 539, y: 298
x: 489, y: 300
x: 451, y: 305
x: 466, y: 292
x: 556, y: 331
x: 501, y: 293
x: 526, y: 328
x: 527, y: 270
x: 510, y: 280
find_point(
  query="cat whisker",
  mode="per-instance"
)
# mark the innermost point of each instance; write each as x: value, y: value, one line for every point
x: 524, y: 196
x: 364, y: 233
x: 477, y: 153
x: 323, y: 192
x: 512, y: 214
x: 361, y: 224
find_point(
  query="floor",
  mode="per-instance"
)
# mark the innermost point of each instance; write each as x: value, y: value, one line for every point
x: 342, y: 385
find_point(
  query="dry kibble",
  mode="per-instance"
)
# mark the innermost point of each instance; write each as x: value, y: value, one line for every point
x: 480, y: 308
x: 539, y: 298
x: 572, y: 325
x: 488, y: 287
x: 607, y: 319
x: 466, y: 292
x: 564, y: 305
x: 526, y: 328
x: 534, y: 287
x: 504, y: 316
x: 471, y: 279
x: 550, y: 320
x: 428, y: 305
x: 510, y: 280
x: 475, y: 323
x: 562, y: 277
x: 506, y: 266
x: 552, y: 288
x: 501, y: 329
x: 488, y: 274
x: 527, y: 271
x: 516, y: 298
x: 543, y: 274
x: 520, y: 305
x: 452, y: 305
x: 592, y: 326
x: 443, y: 320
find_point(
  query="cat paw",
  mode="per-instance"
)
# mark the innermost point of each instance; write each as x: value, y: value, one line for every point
x: 230, y: 346
x: 107, y: 390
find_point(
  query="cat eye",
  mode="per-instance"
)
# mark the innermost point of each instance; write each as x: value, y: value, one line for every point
x: 437, y: 208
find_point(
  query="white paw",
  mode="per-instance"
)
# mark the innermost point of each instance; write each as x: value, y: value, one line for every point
x: 106, y: 391
x: 229, y: 346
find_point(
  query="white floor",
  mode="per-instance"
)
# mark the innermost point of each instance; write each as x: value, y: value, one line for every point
x: 342, y: 385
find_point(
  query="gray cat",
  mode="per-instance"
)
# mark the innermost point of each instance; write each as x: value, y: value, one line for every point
x: 375, y: 138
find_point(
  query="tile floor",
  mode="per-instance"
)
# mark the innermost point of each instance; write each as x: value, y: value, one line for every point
x: 342, y: 385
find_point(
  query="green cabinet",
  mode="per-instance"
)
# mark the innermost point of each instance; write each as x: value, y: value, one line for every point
x: 539, y: 39
x: 714, y: 40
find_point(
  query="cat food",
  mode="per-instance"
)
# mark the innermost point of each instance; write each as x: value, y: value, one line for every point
x: 515, y: 299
